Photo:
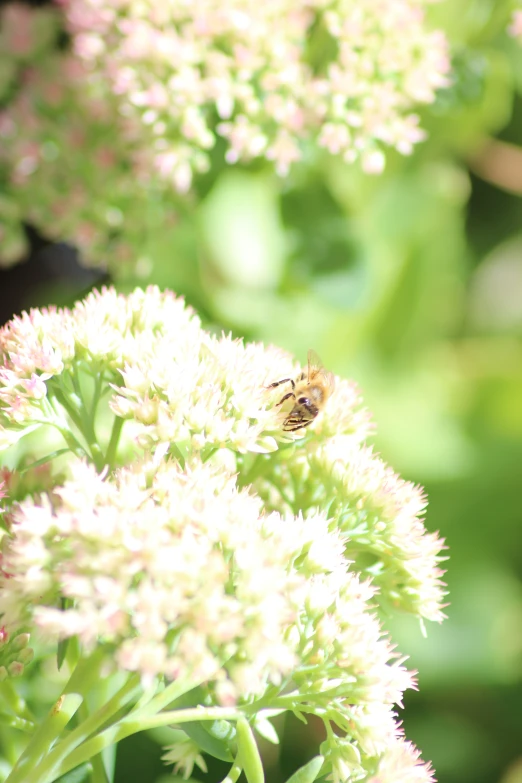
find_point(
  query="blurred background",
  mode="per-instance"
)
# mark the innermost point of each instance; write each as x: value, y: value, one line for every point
x: 410, y: 282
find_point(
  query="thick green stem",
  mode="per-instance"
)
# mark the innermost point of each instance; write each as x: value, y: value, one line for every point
x: 47, y: 768
x: 54, y: 418
x: 98, y: 773
x: 98, y: 380
x: 112, y: 448
x: 131, y: 725
x: 84, y: 425
x: 81, y: 681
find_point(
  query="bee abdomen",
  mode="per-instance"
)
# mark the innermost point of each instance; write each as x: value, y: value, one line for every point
x: 301, y: 416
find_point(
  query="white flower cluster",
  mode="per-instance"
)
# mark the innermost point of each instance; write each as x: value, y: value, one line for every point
x: 227, y: 552
x: 174, y: 380
x: 187, y: 576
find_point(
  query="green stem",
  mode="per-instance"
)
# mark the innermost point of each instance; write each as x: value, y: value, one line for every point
x: 112, y: 448
x: 98, y: 380
x: 10, y: 696
x: 84, y: 425
x: 80, y: 682
x: 88, y: 418
x: 166, y: 697
x: 234, y: 773
x: 43, y: 460
x: 97, y: 769
x: 86, y: 728
x: 98, y: 773
x: 54, y: 763
x: 131, y: 725
x: 55, y: 419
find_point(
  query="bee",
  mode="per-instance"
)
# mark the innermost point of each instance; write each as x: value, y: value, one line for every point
x: 310, y: 391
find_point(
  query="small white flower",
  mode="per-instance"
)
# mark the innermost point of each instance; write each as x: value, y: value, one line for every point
x: 184, y: 754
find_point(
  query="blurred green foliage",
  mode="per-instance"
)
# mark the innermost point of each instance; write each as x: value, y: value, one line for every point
x: 411, y: 283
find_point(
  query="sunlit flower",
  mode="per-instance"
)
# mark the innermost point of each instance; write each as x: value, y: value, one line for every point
x: 188, y: 577
x: 401, y: 763
x: 227, y: 552
x: 175, y: 69
x: 148, y: 561
x: 371, y: 506
x: 134, y: 110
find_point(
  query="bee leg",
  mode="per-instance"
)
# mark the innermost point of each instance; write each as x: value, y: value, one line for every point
x: 278, y: 383
x: 286, y: 397
x: 292, y: 426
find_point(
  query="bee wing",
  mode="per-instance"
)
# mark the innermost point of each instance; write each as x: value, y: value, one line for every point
x: 315, y: 368
x: 315, y: 364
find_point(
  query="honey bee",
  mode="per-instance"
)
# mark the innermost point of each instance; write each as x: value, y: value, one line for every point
x: 310, y: 391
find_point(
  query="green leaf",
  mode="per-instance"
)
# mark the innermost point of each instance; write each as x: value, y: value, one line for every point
x: 77, y: 775
x: 63, y: 644
x: 209, y: 743
x: 266, y: 730
x: 61, y: 652
x: 308, y: 773
x: 248, y: 755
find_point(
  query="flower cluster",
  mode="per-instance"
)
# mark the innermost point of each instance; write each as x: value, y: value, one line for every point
x: 379, y: 514
x: 67, y: 161
x: 187, y: 576
x: 224, y: 551
x: 273, y: 73
x: 174, y: 565
x: 174, y: 381
x: 132, y: 113
x: 15, y: 654
x: 26, y: 35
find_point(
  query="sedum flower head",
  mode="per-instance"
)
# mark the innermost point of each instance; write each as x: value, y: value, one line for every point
x: 224, y: 551
x: 182, y: 574
x: 68, y: 162
x: 176, y: 382
x: 378, y: 514
x: 148, y: 90
x: 175, y: 567
x: 275, y: 74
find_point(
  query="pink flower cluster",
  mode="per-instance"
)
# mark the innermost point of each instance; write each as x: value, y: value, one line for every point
x: 265, y: 76
x: 89, y: 137
x: 69, y: 158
